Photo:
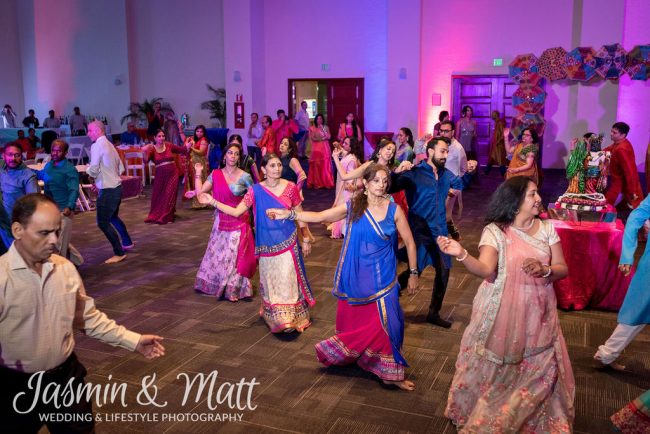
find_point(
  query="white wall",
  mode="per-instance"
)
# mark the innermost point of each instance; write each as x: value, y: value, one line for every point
x: 11, y: 79
x: 175, y: 48
x: 71, y: 53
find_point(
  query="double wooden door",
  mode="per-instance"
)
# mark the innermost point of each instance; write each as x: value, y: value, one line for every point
x: 483, y: 93
x: 335, y: 98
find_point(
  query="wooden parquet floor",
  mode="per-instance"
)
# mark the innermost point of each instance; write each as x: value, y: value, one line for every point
x: 152, y: 292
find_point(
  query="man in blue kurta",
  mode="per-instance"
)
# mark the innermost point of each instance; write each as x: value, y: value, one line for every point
x: 61, y: 183
x: 635, y: 311
x: 16, y: 180
x: 427, y: 186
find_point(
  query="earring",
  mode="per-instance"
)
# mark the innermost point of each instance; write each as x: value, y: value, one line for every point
x: 365, y: 192
x: 516, y: 212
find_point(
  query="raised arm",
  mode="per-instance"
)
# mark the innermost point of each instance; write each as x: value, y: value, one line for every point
x: 297, y: 168
x: 483, y: 266
x: 329, y: 215
x: 506, y: 141
x: 352, y: 174
x: 630, y: 238
x: 207, y: 199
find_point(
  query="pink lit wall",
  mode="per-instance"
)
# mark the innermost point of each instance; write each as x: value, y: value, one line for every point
x: 71, y: 53
x: 11, y: 80
x: 174, y: 49
x: 634, y: 96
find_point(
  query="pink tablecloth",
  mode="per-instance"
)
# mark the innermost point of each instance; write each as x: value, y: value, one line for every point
x: 592, y: 251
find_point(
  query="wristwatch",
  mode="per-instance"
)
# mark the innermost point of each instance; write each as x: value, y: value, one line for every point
x: 414, y: 271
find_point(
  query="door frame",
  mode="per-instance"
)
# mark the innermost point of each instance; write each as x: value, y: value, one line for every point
x: 332, y: 123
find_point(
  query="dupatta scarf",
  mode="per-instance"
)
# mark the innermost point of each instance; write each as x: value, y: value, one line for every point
x: 246, y: 263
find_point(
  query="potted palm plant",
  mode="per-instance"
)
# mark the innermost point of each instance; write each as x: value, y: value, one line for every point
x: 138, y: 110
x: 216, y: 106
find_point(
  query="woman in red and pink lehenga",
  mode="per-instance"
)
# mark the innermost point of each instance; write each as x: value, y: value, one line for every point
x: 320, y: 164
x: 351, y: 152
x: 165, y: 185
x: 229, y: 261
x: 513, y: 372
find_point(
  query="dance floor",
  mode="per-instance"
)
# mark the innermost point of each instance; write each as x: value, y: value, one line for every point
x: 152, y: 292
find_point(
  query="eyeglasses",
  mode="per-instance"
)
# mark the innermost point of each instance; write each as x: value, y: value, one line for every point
x: 446, y: 131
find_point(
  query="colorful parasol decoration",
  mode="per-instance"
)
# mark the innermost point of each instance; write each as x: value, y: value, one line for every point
x: 522, y: 67
x: 581, y: 63
x: 551, y: 63
x: 529, y: 100
x: 528, y: 120
x: 638, y: 62
x: 610, y: 61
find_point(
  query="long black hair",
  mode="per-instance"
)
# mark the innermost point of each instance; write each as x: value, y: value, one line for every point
x: 356, y: 148
x: 382, y: 144
x: 506, y: 200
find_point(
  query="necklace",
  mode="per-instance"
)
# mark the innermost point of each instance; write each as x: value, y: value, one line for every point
x: 268, y: 184
x: 525, y: 229
x: 376, y: 202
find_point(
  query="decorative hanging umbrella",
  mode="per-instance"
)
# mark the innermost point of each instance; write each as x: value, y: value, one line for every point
x: 522, y: 66
x: 529, y: 100
x: 551, y: 63
x: 528, y: 120
x: 581, y: 63
x: 610, y: 61
x: 638, y: 63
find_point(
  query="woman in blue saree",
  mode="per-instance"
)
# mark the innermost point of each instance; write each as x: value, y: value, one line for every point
x: 286, y: 294
x: 369, y: 319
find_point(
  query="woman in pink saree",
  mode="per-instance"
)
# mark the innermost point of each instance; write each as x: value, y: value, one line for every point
x: 513, y: 372
x: 229, y: 261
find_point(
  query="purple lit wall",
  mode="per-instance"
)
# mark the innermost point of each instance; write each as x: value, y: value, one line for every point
x: 11, y: 79
x: 634, y: 96
x: 71, y: 51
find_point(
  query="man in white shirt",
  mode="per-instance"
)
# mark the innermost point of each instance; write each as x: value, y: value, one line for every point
x: 302, y: 119
x: 254, y: 134
x: 457, y: 164
x: 8, y: 117
x: 106, y: 167
x: 41, y: 303
x: 52, y: 121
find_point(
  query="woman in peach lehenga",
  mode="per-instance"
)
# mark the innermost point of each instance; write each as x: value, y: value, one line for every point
x: 513, y: 372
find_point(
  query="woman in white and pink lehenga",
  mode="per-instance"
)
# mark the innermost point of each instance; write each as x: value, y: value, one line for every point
x: 513, y: 372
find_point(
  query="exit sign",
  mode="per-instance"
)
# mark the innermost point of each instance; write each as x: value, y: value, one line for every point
x: 497, y: 62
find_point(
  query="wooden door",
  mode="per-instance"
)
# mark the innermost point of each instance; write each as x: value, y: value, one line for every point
x: 484, y: 93
x: 339, y: 96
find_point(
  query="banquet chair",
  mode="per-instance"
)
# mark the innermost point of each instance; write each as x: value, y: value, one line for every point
x: 42, y: 157
x: 134, y: 164
x: 76, y: 152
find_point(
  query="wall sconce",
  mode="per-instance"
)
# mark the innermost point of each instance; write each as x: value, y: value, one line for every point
x: 436, y: 99
x: 402, y: 73
x: 236, y: 76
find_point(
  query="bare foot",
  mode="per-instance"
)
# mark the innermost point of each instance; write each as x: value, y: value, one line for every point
x: 115, y: 259
x: 616, y: 366
x: 404, y: 384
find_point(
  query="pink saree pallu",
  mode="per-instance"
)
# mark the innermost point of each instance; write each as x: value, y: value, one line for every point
x: 513, y: 372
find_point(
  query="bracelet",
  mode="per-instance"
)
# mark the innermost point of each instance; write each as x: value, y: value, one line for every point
x: 548, y: 273
x: 306, y: 242
x: 292, y: 215
x: 414, y: 271
x: 214, y: 202
x: 459, y: 259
